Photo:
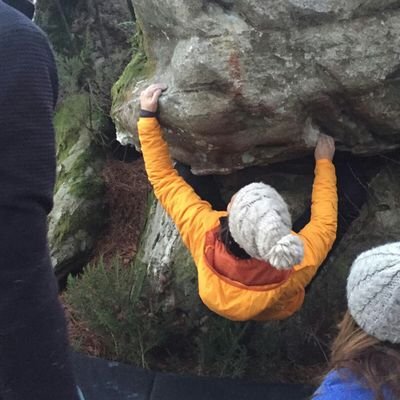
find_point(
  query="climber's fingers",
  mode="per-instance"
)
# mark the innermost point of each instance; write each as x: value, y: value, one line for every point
x: 325, y: 148
x: 156, y: 95
x: 329, y: 141
x: 149, y: 97
x: 155, y: 87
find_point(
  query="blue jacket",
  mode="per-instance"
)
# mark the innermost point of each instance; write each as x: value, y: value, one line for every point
x: 335, y: 388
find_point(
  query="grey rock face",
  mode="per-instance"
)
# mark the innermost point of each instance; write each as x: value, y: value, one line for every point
x: 248, y: 78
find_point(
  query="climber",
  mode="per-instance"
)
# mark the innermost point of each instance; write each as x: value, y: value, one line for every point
x: 34, y: 350
x: 250, y: 265
x: 365, y: 360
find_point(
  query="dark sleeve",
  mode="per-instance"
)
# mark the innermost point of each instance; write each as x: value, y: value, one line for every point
x: 34, y: 360
x: 27, y: 98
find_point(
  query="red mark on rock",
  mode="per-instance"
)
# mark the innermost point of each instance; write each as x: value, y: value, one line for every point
x: 235, y: 72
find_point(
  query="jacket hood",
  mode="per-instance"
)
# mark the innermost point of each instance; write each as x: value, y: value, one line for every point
x: 250, y: 272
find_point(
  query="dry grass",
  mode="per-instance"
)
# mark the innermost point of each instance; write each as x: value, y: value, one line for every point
x: 127, y: 188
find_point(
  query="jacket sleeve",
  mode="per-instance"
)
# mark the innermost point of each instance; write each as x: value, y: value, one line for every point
x: 192, y: 216
x: 320, y: 233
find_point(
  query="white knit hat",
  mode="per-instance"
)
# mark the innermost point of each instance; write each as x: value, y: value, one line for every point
x: 373, y: 292
x: 260, y: 223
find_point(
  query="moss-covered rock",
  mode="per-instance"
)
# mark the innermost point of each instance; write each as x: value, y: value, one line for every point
x: 93, y: 42
x: 78, y: 212
x: 139, y: 68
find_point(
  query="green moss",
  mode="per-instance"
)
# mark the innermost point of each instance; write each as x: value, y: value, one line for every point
x: 83, y: 186
x: 73, y: 222
x: 71, y: 122
x: 132, y: 72
x: 90, y: 188
x: 139, y: 67
x: 66, y: 223
x: 70, y: 117
x: 86, y: 185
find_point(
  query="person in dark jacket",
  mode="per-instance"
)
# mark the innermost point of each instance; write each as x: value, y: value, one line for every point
x: 34, y: 349
x: 365, y: 362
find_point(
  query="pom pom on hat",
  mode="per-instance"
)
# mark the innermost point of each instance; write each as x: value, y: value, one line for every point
x: 373, y: 292
x: 260, y: 223
x: 287, y: 252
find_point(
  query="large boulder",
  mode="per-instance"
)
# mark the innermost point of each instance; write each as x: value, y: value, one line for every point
x: 248, y: 79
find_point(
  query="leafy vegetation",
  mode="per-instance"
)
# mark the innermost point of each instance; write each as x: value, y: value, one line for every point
x: 112, y: 300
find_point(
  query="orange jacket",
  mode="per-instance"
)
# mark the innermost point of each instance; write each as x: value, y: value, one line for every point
x: 262, y: 293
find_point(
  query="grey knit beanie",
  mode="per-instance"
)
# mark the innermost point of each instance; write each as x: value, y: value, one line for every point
x: 260, y: 223
x: 373, y: 292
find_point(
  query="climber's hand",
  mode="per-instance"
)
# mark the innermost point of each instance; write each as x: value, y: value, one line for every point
x: 149, y: 97
x: 325, y: 148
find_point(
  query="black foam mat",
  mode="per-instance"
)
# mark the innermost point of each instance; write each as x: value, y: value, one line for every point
x: 107, y: 380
